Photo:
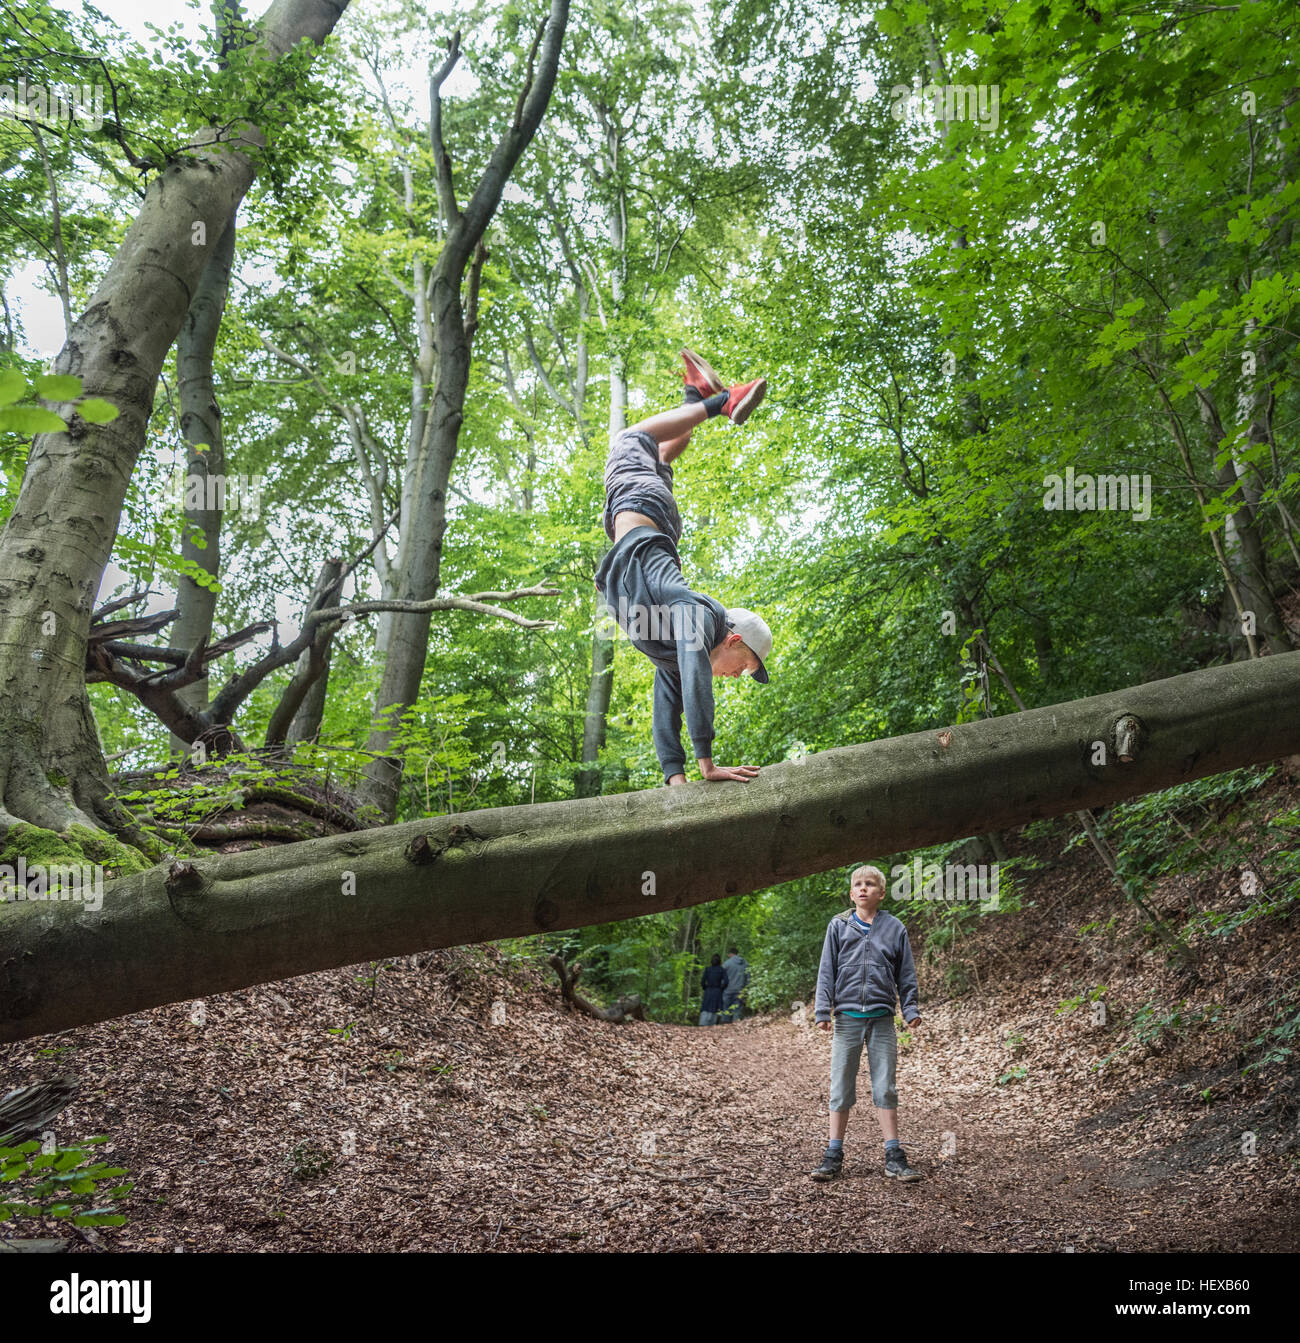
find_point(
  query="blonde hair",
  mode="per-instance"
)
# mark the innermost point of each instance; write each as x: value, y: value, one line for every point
x: 871, y: 872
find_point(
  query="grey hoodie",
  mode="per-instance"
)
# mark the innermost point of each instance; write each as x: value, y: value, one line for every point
x: 861, y: 971
x: 642, y: 574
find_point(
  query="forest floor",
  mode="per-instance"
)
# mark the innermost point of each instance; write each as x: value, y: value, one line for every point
x: 427, y: 1127
x: 451, y: 1102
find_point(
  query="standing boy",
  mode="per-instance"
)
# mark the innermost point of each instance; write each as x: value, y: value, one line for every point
x: 866, y: 965
x: 689, y: 637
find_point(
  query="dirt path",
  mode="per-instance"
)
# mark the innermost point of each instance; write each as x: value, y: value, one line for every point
x: 307, y: 1116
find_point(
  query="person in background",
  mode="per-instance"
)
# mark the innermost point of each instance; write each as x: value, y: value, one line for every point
x: 736, y: 969
x: 712, y: 982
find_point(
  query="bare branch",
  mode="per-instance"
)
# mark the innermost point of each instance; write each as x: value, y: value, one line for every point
x: 478, y: 602
x: 442, y: 160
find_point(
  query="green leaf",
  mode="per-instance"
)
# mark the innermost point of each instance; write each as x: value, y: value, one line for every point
x: 28, y: 420
x: 58, y: 386
x: 98, y: 1219
x: 95, y: 410
x: 12, y: 386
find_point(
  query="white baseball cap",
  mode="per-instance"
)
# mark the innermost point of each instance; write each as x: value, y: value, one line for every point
x: 753, y: 629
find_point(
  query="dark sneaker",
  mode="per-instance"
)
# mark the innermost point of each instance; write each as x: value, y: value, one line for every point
x: 832, y: 1164
x: 744, y: 397
x: 896, y: 1165
x: 700, y: 376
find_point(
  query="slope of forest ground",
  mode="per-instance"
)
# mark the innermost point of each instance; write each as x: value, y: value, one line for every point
x: 449, y: 1102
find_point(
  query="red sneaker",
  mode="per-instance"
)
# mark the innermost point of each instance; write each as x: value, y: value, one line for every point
x: 744, y: 397
x: 700, y: 376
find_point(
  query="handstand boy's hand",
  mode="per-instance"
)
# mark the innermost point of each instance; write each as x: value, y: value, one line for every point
x: 677, y: 778
x: 721, y: 774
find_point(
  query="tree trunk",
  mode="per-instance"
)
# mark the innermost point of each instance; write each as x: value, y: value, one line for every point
x: 600, y: 688
x: 201, y: 426
x: 207, y: 926
x: 59, y: 537
x: 419, y: 558
x: 1244, y: 549
x: 298, y: 713
x: 306, y: 724
x: 600, y: 685
x: 424, y: 491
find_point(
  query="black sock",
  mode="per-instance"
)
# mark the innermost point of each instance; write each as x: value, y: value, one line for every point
x: 693, y: 396
x: 713, y: 404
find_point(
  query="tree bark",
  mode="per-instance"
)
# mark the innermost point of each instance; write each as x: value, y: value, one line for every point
x: 600, y: 684
x: 201, y: 425
x: 1243, y: 548
x: 600, y: 688
x: 300, y: 710
x: 208, y: 926
x: 60, y: 534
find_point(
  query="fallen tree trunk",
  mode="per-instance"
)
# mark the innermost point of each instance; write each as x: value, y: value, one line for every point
x: 208, y: 925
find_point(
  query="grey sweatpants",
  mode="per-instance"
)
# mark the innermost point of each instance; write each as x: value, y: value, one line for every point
x: 851, y: 1033
x: 637, y: 481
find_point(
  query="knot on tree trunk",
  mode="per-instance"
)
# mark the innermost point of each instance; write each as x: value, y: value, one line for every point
x: 1128, y: 738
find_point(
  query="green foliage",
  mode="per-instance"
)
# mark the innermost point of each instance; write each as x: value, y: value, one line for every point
x: 22, y: 417
x: 37, y: 1188
x: 1072, y: 1004
x: 1275, y: 1043
x: 28, y: 419
x: 1150, y: 842
x: 307, y: 1162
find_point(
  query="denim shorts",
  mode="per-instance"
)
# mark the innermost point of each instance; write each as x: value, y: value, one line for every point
x: 637, y: 481
x: 851, y: 1033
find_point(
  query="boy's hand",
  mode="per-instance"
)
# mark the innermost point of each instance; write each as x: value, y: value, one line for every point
x: 677, y: 778
x: 824, y: 1025
x: 914, y: 1023
x: 721, y: 774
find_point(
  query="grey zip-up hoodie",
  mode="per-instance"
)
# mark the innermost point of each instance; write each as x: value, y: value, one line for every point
x: 861, y: 971
x: 643, y: 574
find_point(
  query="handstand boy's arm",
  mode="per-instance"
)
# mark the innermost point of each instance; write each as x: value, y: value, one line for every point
x: 668, y: 726
x: 696, y: 636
